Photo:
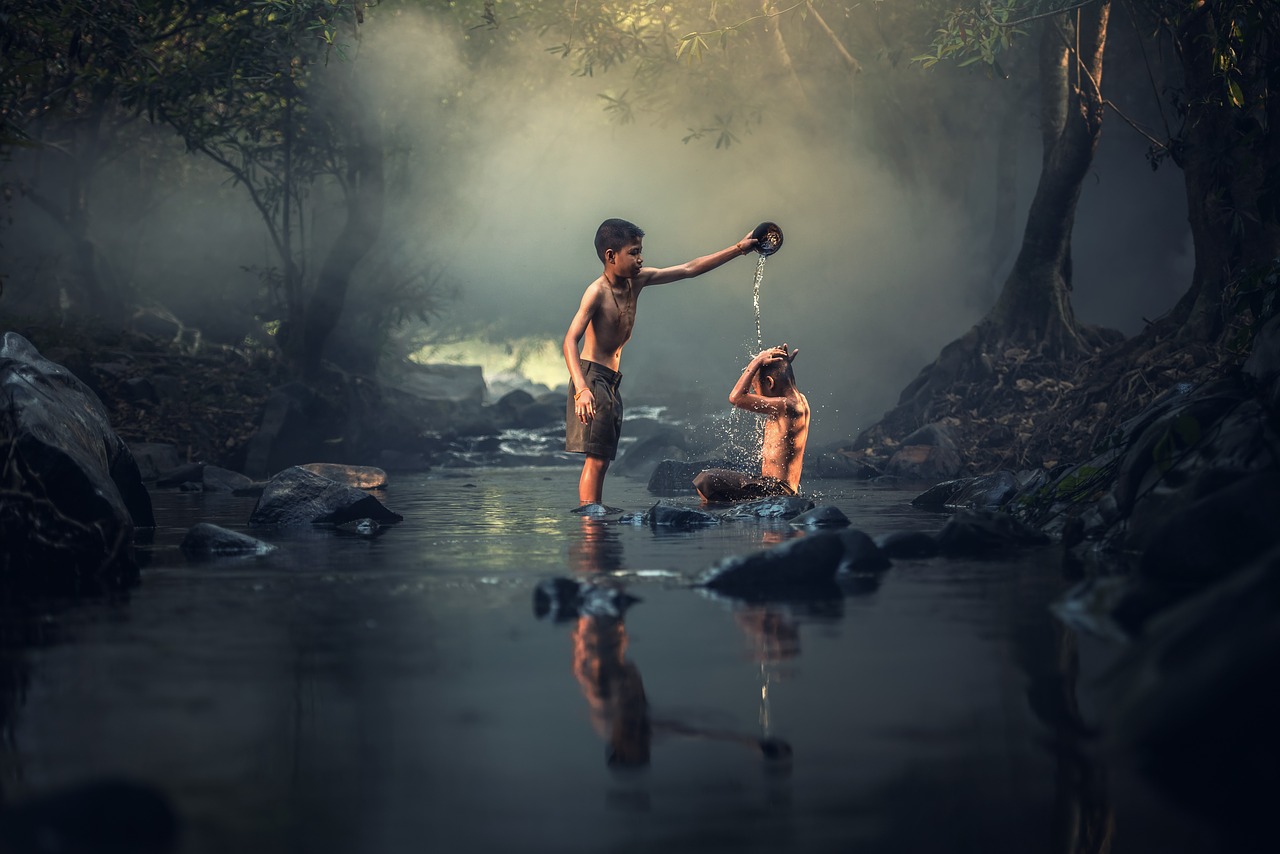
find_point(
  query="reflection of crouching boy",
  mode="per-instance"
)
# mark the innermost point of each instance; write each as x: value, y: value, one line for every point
x: 767, y: 386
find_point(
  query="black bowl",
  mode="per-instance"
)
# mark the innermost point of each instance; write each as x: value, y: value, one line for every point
x: 769, y: 236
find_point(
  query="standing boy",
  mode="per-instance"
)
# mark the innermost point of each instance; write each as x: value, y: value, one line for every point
x: 602, y: 325
x: 767, y: 386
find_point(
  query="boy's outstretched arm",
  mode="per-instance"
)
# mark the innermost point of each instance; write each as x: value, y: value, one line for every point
x: 584, y: 404
x: 696, y: 267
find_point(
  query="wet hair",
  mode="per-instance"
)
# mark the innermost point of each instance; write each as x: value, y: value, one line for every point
x: 615, y: 234
x: 779, y: 370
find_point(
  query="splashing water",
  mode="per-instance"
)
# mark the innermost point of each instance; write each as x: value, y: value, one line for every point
x: 755, y: 298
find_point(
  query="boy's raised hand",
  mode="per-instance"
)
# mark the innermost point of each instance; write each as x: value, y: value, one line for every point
x: 772, y: 354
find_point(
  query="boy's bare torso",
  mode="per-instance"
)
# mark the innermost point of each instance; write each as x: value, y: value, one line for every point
x: 611, y: 323
x: 785, y: 436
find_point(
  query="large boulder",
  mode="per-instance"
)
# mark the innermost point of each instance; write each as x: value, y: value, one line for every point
x: 296, y: 496
x: 72, y: 493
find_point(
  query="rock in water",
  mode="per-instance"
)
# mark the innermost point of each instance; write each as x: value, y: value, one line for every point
x: 806, y: 563
x: 663, y: 515
x: 204, y: 538
x: 72, y: 493
x: 772, y: 507
x: 822, y: 516
x: 296, y: 496
x: 361, y: 477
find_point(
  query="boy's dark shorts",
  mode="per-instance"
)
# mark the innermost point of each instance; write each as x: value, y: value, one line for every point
x: 600, y: 437
x: 725, y: 486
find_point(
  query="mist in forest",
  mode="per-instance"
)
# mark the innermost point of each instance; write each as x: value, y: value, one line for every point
x: 875, y: 275
x: 498, y: 178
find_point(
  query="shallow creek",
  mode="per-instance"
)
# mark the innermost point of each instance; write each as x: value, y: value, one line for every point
x: 398, y: 693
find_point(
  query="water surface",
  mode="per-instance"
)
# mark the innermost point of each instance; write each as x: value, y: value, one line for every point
x: 397, y: 693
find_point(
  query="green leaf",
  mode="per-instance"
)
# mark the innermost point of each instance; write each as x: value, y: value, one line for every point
x: 1235, y: 94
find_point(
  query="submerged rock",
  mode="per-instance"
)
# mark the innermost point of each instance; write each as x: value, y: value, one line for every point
x: 361, y: 527
x: 73, y: 492
x: 204, y: 538
x: 296, y: 496
x: 663, y: 515
x: 596, y: 511
x: 771, y: 507
x: 823, y: 516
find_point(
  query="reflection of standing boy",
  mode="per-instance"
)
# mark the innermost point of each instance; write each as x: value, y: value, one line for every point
x: 768, y: 387
x: 603, y: 324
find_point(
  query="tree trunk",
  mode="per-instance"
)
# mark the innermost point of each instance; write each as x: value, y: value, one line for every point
x: 69, y: 205
x: 1231, y: 160
x: 1031, y: 331
x: 365, y: 197
x: 1034, y: 308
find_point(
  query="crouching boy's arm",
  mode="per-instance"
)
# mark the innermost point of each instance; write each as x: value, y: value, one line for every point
x: 742, y: 397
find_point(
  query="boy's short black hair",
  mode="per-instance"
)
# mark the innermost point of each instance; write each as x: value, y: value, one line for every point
x: 615, y: 234
x: 779, y: 370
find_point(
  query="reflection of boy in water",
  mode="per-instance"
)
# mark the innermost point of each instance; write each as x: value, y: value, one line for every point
x: 612, y: 686
x: 768, y: 387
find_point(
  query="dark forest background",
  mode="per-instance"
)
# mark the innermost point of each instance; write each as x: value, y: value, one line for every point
x: 343, y: 183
